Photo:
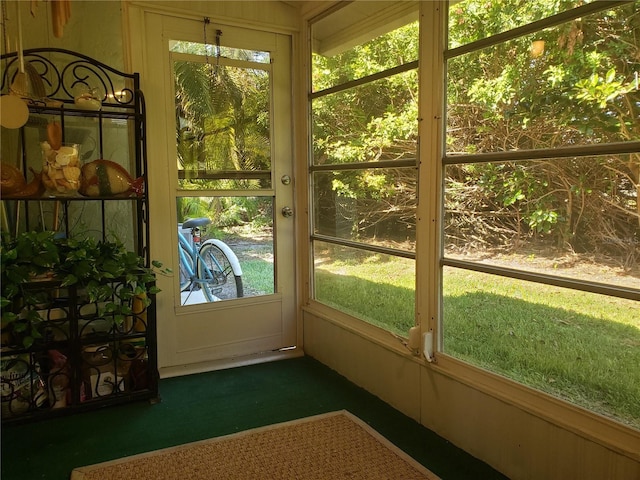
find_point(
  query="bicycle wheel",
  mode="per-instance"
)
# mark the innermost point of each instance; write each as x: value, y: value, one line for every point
x: 185, y: 271
x: 215, y: 268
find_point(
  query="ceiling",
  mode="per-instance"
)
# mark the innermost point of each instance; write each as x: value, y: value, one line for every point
x: 358, y: 22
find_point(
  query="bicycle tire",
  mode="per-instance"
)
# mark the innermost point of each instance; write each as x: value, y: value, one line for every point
x: 185, y: 279
x: 225, y: 284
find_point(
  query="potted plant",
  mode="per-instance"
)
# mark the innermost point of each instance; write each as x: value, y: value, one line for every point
x: 95, y: 268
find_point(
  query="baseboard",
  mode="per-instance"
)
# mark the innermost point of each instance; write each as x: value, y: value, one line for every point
x: 221, y: 364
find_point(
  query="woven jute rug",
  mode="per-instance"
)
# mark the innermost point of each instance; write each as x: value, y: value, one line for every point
x: 332, y: 446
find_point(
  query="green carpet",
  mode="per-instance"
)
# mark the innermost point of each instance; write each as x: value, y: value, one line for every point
x: 197, y: 407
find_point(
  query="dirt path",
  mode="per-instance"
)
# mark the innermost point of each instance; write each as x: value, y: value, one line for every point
x: 583, y: 267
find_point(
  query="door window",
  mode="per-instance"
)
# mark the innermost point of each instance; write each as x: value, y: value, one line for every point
x: 224, y: 176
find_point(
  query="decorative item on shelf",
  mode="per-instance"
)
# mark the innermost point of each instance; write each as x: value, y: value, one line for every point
x: 14, y: 112
x: 105, y: 178
x: 86, y: 98
x: 60, y: 14
x: 22, y: 385
x: 14, y: 185
x: 61, y: 169
x: 59, y: 379
x: 99, y: 373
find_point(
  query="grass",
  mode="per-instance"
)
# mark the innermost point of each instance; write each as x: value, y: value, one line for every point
x: 254, y: 248
x: 257, y: 277
x: 376, y: 288
x: 582, y: 347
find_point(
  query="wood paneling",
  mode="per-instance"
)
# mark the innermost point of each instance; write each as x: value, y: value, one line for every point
x: 517, y: 442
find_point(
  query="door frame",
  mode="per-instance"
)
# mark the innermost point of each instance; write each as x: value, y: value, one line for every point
x: 144, y: 27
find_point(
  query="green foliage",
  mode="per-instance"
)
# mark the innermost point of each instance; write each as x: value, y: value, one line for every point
x: 227, y: 211
x: 376, y: 121
x: 582, y: 89
x: 602, y: 90
x: 543, y: 220
x: 220, y: 117
x: 384, y: 52
x: 103, y: 270
x: 575, y: 345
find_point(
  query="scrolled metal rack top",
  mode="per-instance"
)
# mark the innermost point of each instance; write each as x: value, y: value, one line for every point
x: 58, y: 72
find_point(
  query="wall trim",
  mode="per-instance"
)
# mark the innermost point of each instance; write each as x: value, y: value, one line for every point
x: 597, y: 428
x: 591, y: 426
x: 163, y: 8
x: 223, y: 364
x: 367, y: 331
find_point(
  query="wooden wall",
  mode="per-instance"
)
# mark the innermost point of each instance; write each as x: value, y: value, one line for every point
x: 515, y: 441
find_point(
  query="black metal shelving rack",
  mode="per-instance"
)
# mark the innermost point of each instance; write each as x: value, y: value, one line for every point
x: 85, y: 360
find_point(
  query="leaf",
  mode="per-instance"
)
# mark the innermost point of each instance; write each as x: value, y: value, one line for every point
x: 27, y: 341
x: 20, y: 327
x: 8, y: 317
x: 69, y: 280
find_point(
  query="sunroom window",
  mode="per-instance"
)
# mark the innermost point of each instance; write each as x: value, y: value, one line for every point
x: 364, y: 105
x: 541, y: 229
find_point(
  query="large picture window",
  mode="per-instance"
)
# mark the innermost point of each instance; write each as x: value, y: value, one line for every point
x: 364, y: 104
x: 541, y: 227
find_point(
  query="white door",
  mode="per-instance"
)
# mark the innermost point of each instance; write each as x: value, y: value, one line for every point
x: 219, y: 141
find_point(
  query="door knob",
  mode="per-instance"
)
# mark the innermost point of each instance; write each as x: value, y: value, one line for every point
x: 287, y: 212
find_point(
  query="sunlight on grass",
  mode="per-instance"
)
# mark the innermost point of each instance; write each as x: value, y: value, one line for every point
x: 582, y: 347
x: 376, y: 288
x: 574, y: 345
x: 257, y: 277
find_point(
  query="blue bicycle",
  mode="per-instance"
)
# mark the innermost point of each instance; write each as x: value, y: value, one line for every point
x: 209, y: 266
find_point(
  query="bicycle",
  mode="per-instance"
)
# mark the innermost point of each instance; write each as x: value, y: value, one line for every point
x: 210, y: 266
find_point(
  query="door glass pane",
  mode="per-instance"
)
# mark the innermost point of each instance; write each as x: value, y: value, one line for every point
x: 222, y: 51
x: 226, y: 248
x: 223, y: 130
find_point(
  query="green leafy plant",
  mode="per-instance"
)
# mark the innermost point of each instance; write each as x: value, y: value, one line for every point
x: 106, y: 272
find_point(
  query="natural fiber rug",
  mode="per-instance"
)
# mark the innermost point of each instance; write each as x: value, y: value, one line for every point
x: 332, y: 446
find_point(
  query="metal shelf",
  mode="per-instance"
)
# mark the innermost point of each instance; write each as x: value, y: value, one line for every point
x: 83, y: 360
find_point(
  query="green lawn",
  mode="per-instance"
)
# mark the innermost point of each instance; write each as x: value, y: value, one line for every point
x: 579, y: 346
x: 377, y: 289
x: 257, y: 277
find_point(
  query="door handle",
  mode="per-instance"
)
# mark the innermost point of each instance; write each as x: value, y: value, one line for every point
x: 287, y: 212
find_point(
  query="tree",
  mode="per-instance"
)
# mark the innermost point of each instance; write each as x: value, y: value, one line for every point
x: 221, y: 126
x: 581, y: 90
x: 375, y: 121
